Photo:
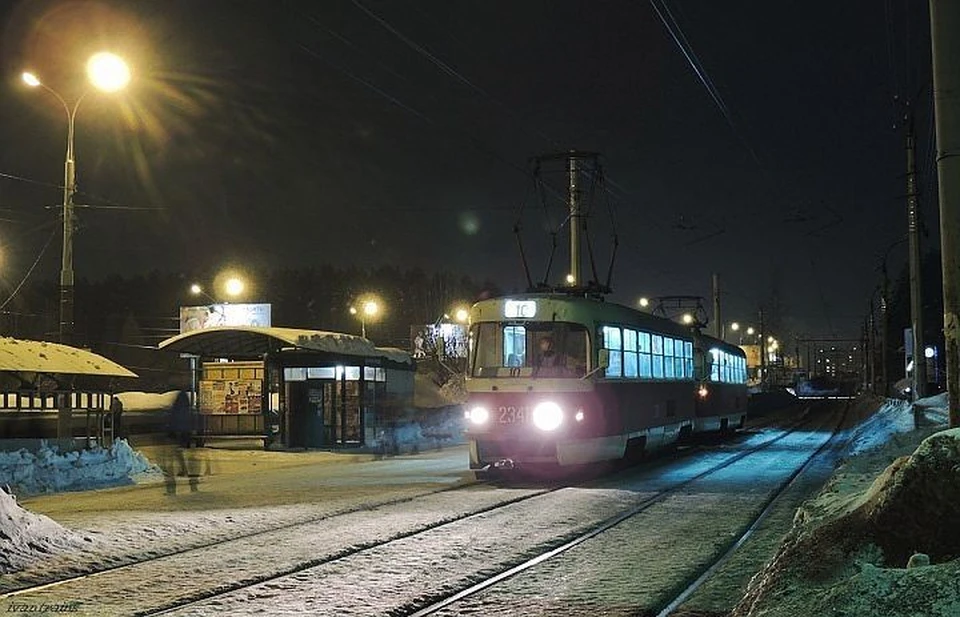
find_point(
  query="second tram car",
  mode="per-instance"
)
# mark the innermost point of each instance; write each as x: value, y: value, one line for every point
x: 568, y: 380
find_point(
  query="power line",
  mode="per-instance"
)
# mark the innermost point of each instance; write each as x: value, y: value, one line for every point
x: 29, y: 272
x: 673, y: 27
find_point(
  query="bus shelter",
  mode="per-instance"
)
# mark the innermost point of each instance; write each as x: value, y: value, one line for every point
x: 45, y: 384
x: 295, y: 388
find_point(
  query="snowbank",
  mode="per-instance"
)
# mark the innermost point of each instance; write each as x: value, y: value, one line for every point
x: 48, y: 470
x: 880, y: 539
x: 26, y: 537
x: 433, y: 430
x: 147, y: 401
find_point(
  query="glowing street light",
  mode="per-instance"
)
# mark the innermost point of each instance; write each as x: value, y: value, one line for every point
x: 109, y: 73
x: 687, y: 318
x: 461, y: 314
x: 644, y: 302
x: 369, y: 309
x: 233, y: 286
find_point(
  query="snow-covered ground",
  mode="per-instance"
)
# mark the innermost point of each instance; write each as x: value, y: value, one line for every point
x: 830, y: 562
x: 223, y: 503
x: 26, y: 537
x: 49, y: 470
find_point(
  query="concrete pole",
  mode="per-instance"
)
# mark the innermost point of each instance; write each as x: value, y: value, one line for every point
x: 718, y: 328
x: 944, y: 26
x: 884, y: 336
x: 916, y: 293
x: 763, y: 353
x: 574, y: 202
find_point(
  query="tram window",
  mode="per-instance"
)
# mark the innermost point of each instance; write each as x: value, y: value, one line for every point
x: 715, y: 365
x: 643, y: 341
x: 629, y: 353
x: 646, y: 366
x: 688, y: 359
x: 612, y: 341
x: 678, y: 368
x: 658, y: 367
x: 630, y: 364
x: 667, y: 346
x: 514, y: 345
x: 657, y: 344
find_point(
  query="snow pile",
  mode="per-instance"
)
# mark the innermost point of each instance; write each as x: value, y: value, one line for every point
x: 895, y: 417
x: 48, y: 470
x: 147, y: 401
x: 26, y: 537
x: 432, y: 430
x: 875, y: 544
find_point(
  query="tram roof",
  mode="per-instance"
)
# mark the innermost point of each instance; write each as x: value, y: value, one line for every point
x: 255, y: 341
x: 22, y: 356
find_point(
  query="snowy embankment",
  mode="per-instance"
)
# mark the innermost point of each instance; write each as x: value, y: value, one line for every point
x: 26, y: 537
x: 49, y: 470
x: 880, y: 538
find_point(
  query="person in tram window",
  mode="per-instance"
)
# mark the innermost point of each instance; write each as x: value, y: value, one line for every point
x: 549, y: 363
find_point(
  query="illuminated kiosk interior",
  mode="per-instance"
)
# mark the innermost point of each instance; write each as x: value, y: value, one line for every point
x: 296, y: 388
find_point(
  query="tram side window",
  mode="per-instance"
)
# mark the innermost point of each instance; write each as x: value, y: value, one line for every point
x: 514, y: 345
x: 668, y: 357
x: 688, y: 359
x: 715, y: 365
x: 646, y: 362
x: 630, y: 353
x: 657, y: 345
x: 612, y: 341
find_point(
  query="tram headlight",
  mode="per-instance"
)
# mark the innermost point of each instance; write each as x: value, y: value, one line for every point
x: 547, y: 416
x: 478, y: 415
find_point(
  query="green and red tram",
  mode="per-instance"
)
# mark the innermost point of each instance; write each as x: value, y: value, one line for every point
x: 564, y: 379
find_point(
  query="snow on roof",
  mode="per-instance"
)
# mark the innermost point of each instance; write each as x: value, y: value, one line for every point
x: 23, y: 356
x: 251, y: 341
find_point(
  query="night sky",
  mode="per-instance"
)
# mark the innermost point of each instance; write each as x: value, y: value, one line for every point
x: 289, y: 134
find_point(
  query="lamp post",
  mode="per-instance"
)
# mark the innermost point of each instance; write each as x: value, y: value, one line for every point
x: 109, y: 73
x: 368, y: 309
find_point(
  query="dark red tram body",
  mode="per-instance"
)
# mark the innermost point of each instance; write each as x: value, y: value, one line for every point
x: 618, y: 381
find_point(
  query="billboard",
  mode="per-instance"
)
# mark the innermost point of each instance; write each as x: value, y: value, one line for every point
x: 225, y: 314
x: 446, y: 340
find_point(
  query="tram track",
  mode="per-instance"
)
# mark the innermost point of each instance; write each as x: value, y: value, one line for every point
x: 451, y: 600
x: 302, y: 527
x: 566, y: 542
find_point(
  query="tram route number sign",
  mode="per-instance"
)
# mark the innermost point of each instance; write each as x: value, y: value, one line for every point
x: 509, y: 414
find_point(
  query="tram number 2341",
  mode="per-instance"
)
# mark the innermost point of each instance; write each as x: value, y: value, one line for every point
x: 512, y: 415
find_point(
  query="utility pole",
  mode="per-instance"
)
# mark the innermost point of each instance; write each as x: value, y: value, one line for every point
x: 763, y: 353
x: 718, y: 328
x: 944, y: 25
x: 916, y: 299
x: 575, y: 215
x: 884, y: 334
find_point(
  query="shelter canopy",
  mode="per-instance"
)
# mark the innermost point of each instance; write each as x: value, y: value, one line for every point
x: 255, y: 341
x: 32, y: 363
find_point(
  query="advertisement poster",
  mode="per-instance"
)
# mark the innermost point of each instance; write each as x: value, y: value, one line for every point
x: 214, y: 315
x: 445, y: 340
x: 240, y: 396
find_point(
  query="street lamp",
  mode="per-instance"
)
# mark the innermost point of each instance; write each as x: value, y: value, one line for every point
x: 368, y: 310
x: 233, y: 287
x: 109, y: 73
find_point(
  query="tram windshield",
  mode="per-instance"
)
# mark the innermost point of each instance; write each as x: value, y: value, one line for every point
x: 529, y: 349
